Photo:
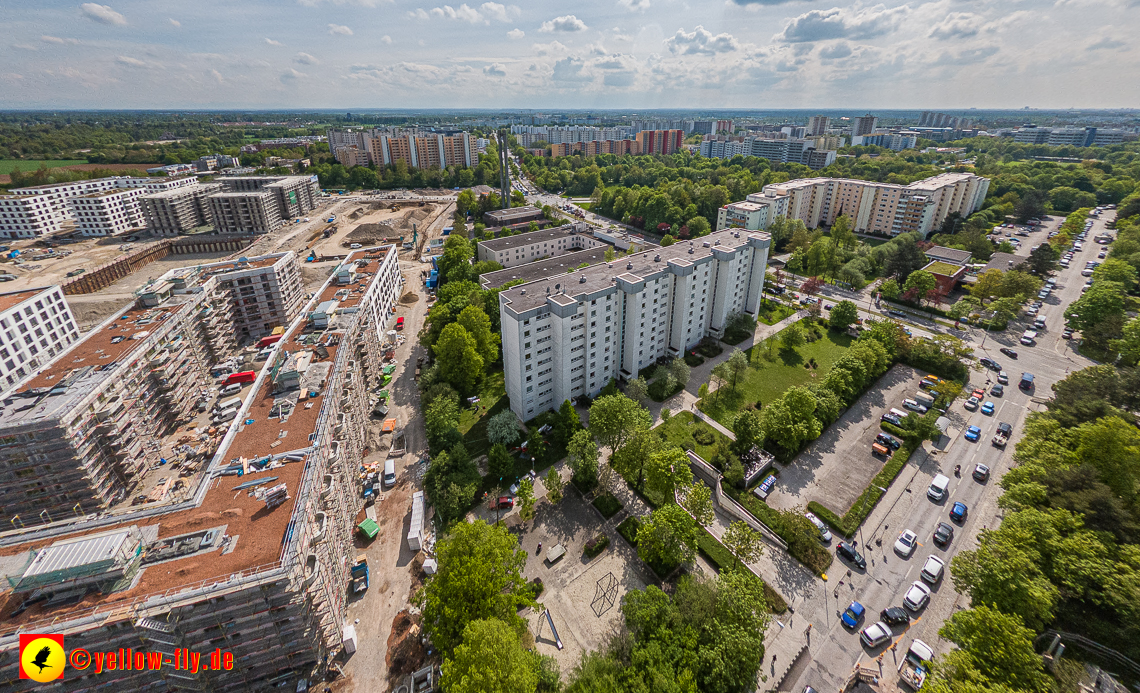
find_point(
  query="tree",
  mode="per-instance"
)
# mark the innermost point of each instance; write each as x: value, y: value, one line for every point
x: 459, y: 362
x: 635, y: 455
x: 637, y: 389
x: 503, y: 428
x: 500, y: 464
x: 988, y: 285
x: 554, y: 485
x: 478, y: 576
x: 920, y: 282
x: 1043, y: 260
x: 582, y: 456
x: 667, y: 538
x: 1112, y: 446
x: 841, y: 233
x: 811, y: 285
x: 749, y: 430
x: 1006, y: 572
x: 736, y: 366
x: 890, y: 289
x: 1031, y: 205
x: 526, y: 499
x: 743, y: 542
x: 614, y: 418
x: 1098, y: 313
x: 490, y: 658
x: 999, y: 645
x: 792, y: 336
x: 698, y: 226
x: 1113, y: 270
x: 843, y: 314
x: 1018, y: 284
x: 441, y: 421
x: 696, y: 498
x: 478, y: 325
x: 567, y: 423
x: 790, y: 420
x: 454, y: 263
x: 905, y: 259
x: 679, y: 370
x: 609, y: 254
x: 1129, y: 343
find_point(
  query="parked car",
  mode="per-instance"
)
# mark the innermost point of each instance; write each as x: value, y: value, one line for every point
x: 891, y: 419
x: 876, y: 634
x: 1008, y: 352
x: 973, y: 433
x: 853, y: 614
x: 988, y: 408
x: 906, y: 542
x: 990, y: 363
x: 997, y: 390
x: 894, y: 615
x: 896, y: 313
x: 888, y: 440
x: 971, y: 404
x: 506, y: 502
x: 959, y: 512
x: 917, y: 596
x: 1003, y: 378
x: 943, y: 534
x: 932, y: 569
x: 824, y: 532
x: 913, y: 405
x: 847, y: 551
x: 981, y: 472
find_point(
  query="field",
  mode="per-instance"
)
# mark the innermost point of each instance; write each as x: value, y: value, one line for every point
x: 26, y: 165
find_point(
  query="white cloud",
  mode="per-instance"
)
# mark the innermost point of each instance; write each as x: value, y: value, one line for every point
x: 620, y: 35
x: 495, y: 70
x: 835, y: 51
x: 700, y: 42
x: 851, y: 23
x: 276, y: 43
x: 217, y: 76
x: 102, y: 14
x: 386, y: 39
x: 61, y: 41
x: 957, y: 25
x: 570, y: 70
x: 464, y: 12
x: 516, y: 33
x: 634, y: 4
x: 174, y: 22
x: 360, y: 3
x: 306, y: 59
x: 291, y: 75
x: 564, y: 23
x: 127, y: 60
x: 340, y: 29
x: 25, y: 46
x: 502, y: 13
x: 1107, y: 43
x: 548, y: 48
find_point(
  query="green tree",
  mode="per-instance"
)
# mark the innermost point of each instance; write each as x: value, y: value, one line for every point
x: 458, y: 359
x: 1018, y: 285
x: 919, y: 283
x: 582, y: 456
x: 500, y: 464
x: 790, y: 420
x: 698, y: 226
x: 890, y: 289
x: 478, y: 325
x: 478, y: 576
x: 609, y: 254
x: 999, y: 645
x: 1099, y: 313
x: 503, y: 428
x: 667, y: 537
x: 905, y: 258
x: 743, y: 542
x: 1043, y: 260
x: 637, y: 389
x: 749, y: 430
x: 680, y: 370
x: 988, y: 285
x: 1112, y: 270
x: 490, y: 658
x: 614, y: 418
x: 454, y: 263
x: 1005, y: 570
x: 792, y: 336
x: 841, y: 233
x: 736, y: 366
x: 567, y: 424
x: 441, y: 421
x: 526, y: 499
x: 554, y: 485
x: 843, y: 314
x: 1113, y: 447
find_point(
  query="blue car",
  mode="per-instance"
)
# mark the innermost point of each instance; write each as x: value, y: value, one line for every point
x: 973, y: 433
x: 959, y: 511
x: 853, y: 614
x: 988, y: 408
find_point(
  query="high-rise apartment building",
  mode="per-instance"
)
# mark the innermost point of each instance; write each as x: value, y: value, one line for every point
x: 660, y: 141
x: 934, y: 119
x: 108, y: 213
x: 35, y: 325
x: 817, y: 125
x: 418, y: 148
x: 755, y: 213
x: 863, y: 125
x: 566, y: 335
x: 27, y: 216
x: 260, y: 571
x: 174, y: 212
x: 776, y: 150
x: 895, y: 141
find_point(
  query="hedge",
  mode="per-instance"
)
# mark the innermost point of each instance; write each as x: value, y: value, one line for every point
x: 722, y: 559
x: 607, y: 505
x: 850, y: 522
x: 628, y: 530
x: 815, y: 557
x: 596, y: 545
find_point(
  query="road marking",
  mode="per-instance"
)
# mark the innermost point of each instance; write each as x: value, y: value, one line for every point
x: 907, y: 576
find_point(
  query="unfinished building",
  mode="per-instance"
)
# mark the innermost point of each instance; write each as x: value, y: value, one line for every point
x: 178, y: 211
x: 256, y: 565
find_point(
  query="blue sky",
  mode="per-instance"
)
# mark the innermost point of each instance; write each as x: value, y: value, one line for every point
x: 586, y: 54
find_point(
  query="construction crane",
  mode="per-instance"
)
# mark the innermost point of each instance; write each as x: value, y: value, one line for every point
x: 504, y: 169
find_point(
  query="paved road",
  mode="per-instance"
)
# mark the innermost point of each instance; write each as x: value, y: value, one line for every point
x: 833, y: 650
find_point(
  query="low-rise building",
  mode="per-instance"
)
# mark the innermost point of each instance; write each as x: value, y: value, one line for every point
x: 512, y: 216
x: 520, y: 249
x: 946, y: 274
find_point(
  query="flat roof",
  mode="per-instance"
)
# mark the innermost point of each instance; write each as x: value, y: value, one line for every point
x: 953, y: 255
x: 77, y: 551
x: 529, y: 238
x: 257, y: 535
x: 513, y: 212
x: 1004, y: 261
x: 560, y: 264
x: 12, y: 299
x: 630, y: 267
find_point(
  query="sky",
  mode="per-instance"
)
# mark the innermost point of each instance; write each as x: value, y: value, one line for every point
x: 628, y: 54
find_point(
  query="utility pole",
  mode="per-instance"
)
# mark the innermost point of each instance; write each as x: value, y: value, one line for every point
x: 504, y: 169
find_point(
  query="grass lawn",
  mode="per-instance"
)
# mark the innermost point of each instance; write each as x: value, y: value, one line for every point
x: 766, y: 380
x: 873, y: 241
x: 772, y: 312
x: 29, y: 165
x: 473, y: 420
x: 683, y: 429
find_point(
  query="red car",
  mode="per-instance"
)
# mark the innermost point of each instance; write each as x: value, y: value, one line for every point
x: 399, y: 323
x: 506, y: 502
x: 979, y: 393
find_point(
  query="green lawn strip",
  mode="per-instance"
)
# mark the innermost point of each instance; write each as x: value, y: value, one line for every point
x: 30, y: 165
x: 766, y: 380
x: 683, y: 429
x: 849, y: 523
x: 722, y: 559
x: 772, y: 312
x: 473, y: 420
x: 814, y: 556
x: 607, y: 505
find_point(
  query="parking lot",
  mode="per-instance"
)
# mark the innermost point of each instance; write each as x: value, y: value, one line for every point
x: 837, y: 466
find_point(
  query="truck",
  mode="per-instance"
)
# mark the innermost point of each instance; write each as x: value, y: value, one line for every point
x: 242, y: 377
x: 1002, y: 435
x: 360, y: 574
x: 912, y: 669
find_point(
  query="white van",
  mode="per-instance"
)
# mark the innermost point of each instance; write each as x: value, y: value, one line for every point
x: 224, y: 416
x: 938, y: 486
x: 231, y: 389
x: 389, y: 473
x: 1029, y: 338
x: 227, y: 404
x: 924, y: 398
x: 1039, y: 323
x: 899, y: 413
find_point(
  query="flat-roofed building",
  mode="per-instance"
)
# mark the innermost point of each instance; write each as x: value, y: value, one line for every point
x: 28, y: 216
x: 755, y: 213
x: 245, y: 212
x: 511, y: 251
x: 35, y: 326
x: 567, y: 334
x: 108, y: 213
x: 174, y: 212
x: 514, y: 215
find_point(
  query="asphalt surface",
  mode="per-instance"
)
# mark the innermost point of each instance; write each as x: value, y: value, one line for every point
x: 833, y: 649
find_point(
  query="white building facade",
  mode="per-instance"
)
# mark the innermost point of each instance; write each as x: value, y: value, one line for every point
x: 35, y: 325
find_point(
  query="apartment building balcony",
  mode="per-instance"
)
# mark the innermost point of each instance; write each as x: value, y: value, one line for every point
x: 321, y: 521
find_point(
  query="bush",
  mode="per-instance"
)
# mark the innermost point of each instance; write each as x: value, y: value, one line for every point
x: 607, y: 505
x: 536, y: 586
x: 663, y: 388
x: 849, y: 523
x: 628, y: 530
x: 709, y: 348
x: 694, y: 360
x: 814, y: 556
x: 596, y: 545
x: 722, y: 559
x: 704, y: 435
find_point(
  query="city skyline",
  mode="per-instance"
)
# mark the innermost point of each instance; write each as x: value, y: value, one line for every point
x: 646, y: 54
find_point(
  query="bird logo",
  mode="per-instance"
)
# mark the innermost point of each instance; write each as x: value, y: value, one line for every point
x: 42, y: 657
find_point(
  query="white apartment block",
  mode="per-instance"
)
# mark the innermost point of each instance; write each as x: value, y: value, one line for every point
x: 108, y: 213
x: 755, y: 213
x: 512, y: 251
x: 27, y: 216
x: 35, y: 325
x: 882, y: 208
x: 568, y: 334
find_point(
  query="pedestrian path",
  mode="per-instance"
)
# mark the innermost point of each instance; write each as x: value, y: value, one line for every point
x: 712, y: 422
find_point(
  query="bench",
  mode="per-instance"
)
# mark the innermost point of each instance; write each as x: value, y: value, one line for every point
x: 555, y: 552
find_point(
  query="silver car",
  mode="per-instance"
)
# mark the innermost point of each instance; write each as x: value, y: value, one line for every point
x: 876, y: 634
x: 917, y: 596
x: 824, y: 532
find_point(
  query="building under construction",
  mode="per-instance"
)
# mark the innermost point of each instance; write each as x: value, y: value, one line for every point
x: 256, y: 563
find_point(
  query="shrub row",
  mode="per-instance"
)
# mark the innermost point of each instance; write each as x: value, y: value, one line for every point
x: 607, y: 505
x: 814, y: 556
x: 596, y: 545
x: 849, y: 523
x: 722, y: 559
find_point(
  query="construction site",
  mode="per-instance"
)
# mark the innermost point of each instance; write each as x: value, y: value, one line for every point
x: 252, y: 552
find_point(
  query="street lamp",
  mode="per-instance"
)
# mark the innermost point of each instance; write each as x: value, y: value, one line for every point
x: 989, y: 326
x: 861, y: 512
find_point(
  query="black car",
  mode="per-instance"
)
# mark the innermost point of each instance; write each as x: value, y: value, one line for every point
x: 896, y: 313
x: 845, y: 550
x: 891, y: 419
x: 1008, y: 352
x: 943, y: 534
x: 888, y: 440
x: 990, y: 364
x: 894, y: 616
